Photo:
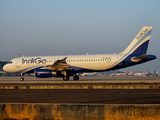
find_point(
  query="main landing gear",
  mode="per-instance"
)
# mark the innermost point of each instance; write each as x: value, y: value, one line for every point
x: 76, y: 77
x: 66, y: 78
x: 22, y: 78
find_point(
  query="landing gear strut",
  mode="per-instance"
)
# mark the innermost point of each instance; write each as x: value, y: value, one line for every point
x: 22, y: 78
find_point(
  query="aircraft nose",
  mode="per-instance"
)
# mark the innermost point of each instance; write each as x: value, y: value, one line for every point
x: 6, y: 68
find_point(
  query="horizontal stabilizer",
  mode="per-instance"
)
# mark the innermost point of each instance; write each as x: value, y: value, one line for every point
x: 138, y: 58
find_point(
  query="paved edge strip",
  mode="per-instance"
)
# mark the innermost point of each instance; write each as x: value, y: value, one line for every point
x: 80, y: 86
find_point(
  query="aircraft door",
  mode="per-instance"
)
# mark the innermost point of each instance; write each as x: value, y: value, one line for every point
x: 118, y: 58
x: 18, y: 63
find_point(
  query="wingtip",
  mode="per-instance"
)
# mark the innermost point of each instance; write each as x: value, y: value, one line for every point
x: 64, y: 59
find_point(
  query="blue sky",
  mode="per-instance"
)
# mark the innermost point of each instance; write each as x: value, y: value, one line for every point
x: 61, y: 27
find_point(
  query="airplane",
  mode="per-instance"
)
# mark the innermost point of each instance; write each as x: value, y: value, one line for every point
x: 122, y: 74
x: 151, y: 74
x: 71, y: 65
x: 88, y: 74
x: 131, y: 74
x: 125, y: 73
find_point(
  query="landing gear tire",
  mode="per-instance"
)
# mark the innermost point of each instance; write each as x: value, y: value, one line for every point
x: 76, y: 77
x: 66, y: 78
x: 21, y: 79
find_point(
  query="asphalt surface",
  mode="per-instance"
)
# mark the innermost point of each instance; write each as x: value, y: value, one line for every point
x: 93, y: 79
x: 114, y: 96
x: 101, y: 96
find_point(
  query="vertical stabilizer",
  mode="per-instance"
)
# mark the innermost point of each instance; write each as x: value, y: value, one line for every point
x: 139, y: 44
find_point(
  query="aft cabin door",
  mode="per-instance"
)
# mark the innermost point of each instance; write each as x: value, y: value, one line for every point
x: 18, y: 64
x: 118, y: 59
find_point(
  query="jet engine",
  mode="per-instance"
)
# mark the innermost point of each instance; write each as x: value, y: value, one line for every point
x: 44, y: 73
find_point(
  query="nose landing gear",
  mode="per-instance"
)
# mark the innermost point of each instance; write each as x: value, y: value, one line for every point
x: 22, y: 78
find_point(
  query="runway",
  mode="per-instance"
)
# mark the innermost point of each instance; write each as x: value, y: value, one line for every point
x: 93, y: 79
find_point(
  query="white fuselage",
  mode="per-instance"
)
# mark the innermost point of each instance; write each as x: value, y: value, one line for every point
x: 90, y: 62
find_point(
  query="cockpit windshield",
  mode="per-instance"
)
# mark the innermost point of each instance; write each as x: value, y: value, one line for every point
x: 10, y: 62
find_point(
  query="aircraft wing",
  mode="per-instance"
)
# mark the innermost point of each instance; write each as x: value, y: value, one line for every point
x: 138, y: 58
x: 59, y: 65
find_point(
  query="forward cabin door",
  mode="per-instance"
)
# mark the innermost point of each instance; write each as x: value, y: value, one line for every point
x: 18, y: 63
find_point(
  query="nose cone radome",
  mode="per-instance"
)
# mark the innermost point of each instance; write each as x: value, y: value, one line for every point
x: 6, y: 68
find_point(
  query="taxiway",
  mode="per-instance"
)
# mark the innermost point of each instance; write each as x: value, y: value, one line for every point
x: 89, y: 79
x: 104, y: 95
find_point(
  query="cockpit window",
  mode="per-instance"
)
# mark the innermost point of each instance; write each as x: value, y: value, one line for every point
x: 10, y: 62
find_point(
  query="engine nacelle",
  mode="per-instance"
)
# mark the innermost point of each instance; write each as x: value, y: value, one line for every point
x: 44, y: 73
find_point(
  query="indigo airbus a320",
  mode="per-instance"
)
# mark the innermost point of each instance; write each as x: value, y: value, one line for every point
x: 65, y: 66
